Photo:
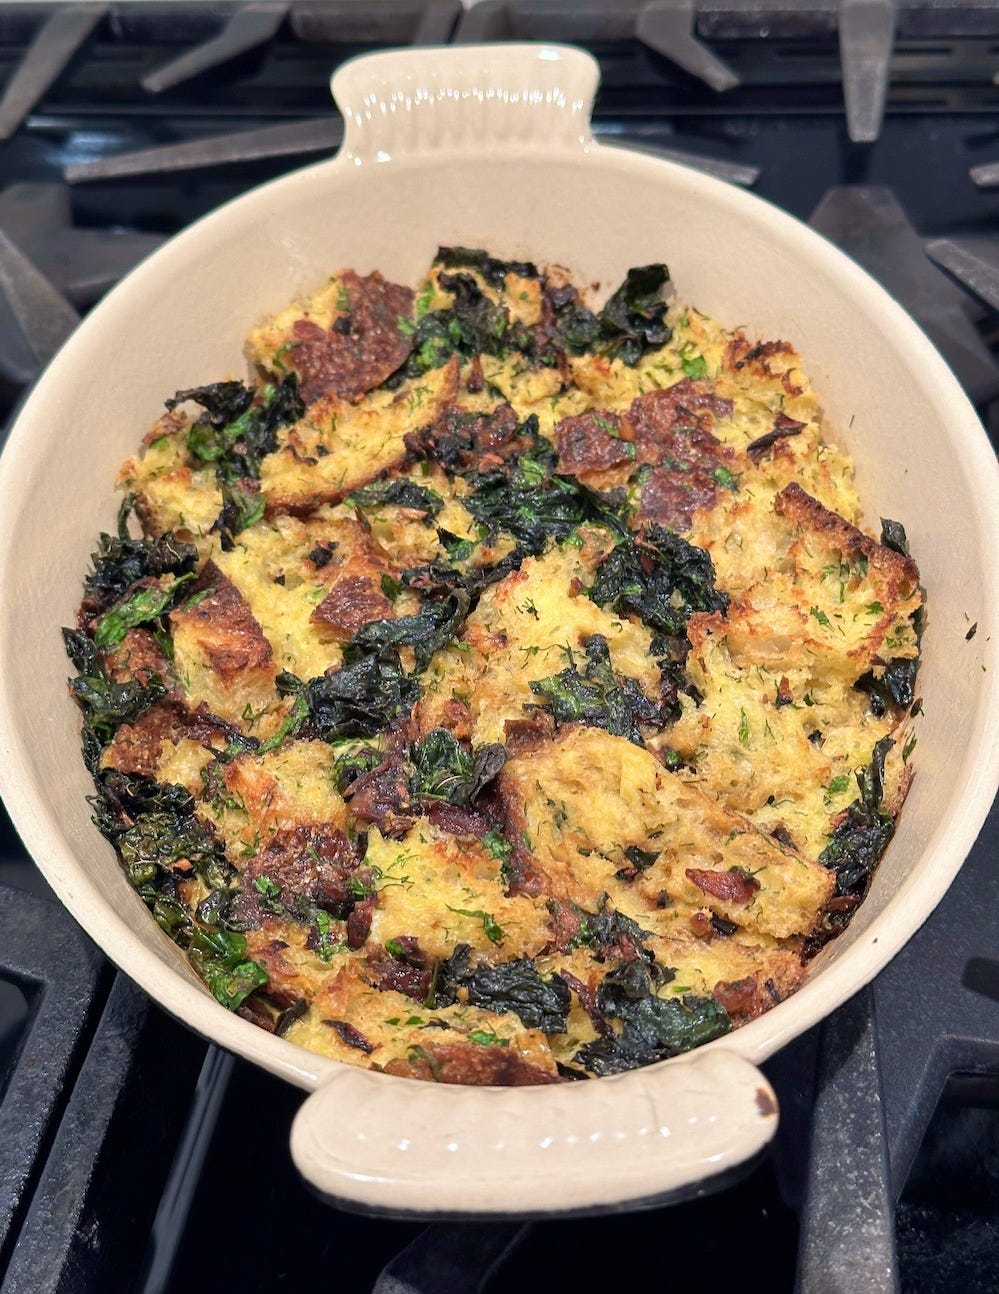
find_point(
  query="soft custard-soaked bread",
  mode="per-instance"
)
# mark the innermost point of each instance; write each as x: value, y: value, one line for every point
x: 500, y: 691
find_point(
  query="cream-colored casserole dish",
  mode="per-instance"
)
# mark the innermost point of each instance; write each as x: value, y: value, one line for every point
x: 491, y: 147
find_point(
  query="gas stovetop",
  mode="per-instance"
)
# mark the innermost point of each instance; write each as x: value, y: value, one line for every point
x: 133, y: 1156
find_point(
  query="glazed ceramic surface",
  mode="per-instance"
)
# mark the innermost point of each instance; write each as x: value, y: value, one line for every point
x: 491, y: 147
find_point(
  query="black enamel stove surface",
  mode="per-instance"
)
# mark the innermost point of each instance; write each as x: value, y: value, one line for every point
x: 134, y: 1157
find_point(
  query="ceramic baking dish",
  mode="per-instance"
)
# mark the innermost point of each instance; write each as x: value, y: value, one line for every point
x: 491, y: 147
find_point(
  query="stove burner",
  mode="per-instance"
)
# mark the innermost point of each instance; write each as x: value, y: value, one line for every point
x: 42, y: 950
x: 80, y: 263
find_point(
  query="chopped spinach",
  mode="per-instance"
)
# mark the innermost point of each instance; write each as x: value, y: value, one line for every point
x: 121, y: 561
x: 400, y: 491
x: 219, y: 957
x: 494, y: 271
x: 895, y: 687
x: 510, y: 986
x: 652, y: 1028
x: 597, y: 696
x: 857, y: 843
x: 435, y: 625
x: 662, y: 578
x: 633, y: 320
x: 443, y: 769
x: 105, y: 703
x: 145, y: 604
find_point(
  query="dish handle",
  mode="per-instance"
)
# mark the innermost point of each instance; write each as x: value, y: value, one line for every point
x: 381, y: 1144
x: 411, y: 102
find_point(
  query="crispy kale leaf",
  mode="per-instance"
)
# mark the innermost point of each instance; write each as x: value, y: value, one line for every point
x: 105, y: 703
x: 471, y: 325
x: 662, y: 578
x: 633, y: 320
x: 235, y: 432
x: 856, y: 845
x: 895, y: 687
x: 153, y: 825
x: 121, y: 561
x: 219, y: 957
x: 432, y: 628
x: 597, y: 696
x: 400, y: 491
x: 138, y: 608
x: 526, y: 499
x: 160, y: 841
x: 363, y: 698
x: 510, y: 986
x: 494, y: 271
x: 443, y: 769
x: 371, y: 691
x: 651, y: 1028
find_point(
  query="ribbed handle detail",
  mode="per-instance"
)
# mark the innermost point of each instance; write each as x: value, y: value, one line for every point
x: 462, y: 97
x: 379, y: 1142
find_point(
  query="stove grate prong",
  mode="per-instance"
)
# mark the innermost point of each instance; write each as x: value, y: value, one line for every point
x: 80, y: 263
x: 969, y: 261
x: 287, y: 139
x: 58, y: 39
x: 43, y: 315
x: 667, y: 27
x: 866, y: 37
x: 869, y: 223
x: 456, y: 1257
x: 247, y: 27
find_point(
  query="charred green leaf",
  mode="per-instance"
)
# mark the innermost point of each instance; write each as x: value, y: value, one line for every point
x: 598, y: 696
x: 510, y: 986
x: 634, y: 318
x: 895, y: 686
x: 663, y: 579
x: 105, y: 703
x: 857, y: 843
x: 362, y: 699
x: 435, y: 625
x: 443, y: 769
x: 494, y: 271
x: 121, y: 561
x: 399, y: 491
x: 650, y: 1028
x: 145, y: 604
